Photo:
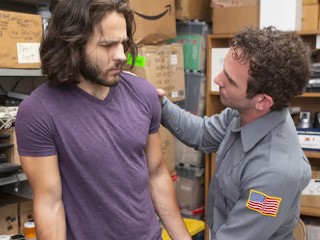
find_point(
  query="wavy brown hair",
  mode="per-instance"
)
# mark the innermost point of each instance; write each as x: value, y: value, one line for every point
x: 280, y: 63
x: 70, y: 27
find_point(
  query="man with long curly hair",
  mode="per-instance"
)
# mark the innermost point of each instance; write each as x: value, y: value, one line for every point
x: 88, y: 137
x: 261, y: 169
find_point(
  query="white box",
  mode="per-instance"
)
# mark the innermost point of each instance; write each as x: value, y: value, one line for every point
x: 217, y: 59
x: 284, y: 14
x: 309, y: 140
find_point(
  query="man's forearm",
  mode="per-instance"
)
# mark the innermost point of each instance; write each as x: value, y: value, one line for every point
x: 163, y: 195
x: 50, y: 221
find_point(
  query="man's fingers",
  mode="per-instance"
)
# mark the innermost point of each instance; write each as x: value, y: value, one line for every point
x: 161, y: 92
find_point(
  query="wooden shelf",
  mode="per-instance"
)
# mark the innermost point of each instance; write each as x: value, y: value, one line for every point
x: 304, y: 33
x: 310, y: 94
x: 310, y: 211
x: 306, y: 94
x: 307, y: 101
x: 312, y: 154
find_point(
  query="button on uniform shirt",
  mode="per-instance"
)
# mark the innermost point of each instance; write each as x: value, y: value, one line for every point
x: 260, y: 171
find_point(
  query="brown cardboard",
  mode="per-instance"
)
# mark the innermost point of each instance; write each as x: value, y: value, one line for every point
x: 20, y: 37
x: 233, y: 19
x: 311, y: 200
x: 24, y: 208
x: 155, y: 20
x: 11, y: 153
x: 9, y: 219
x: 191, y: 10
x: 233, y: 3
x: 310, y: 17
x: 167, y: 141
x: 163, y: 66
x: 310, y: 2
x: 25, y: 213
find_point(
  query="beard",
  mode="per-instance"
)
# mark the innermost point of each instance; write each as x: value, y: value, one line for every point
x: 96, y: 75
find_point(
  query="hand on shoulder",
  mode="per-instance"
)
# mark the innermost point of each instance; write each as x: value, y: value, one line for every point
x: 161, y: 92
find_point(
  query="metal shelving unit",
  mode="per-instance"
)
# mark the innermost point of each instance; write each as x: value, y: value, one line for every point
x: 13, y: 179
x: 5, y: 72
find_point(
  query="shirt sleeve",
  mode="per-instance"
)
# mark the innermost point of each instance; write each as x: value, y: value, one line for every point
x: 268, y: 198
x: 202, y: 133
x: 34, y: 130
x: 155, y: 111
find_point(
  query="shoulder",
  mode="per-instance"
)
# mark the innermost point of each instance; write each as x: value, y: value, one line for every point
x: 226, y: 116
x: 139, y: 85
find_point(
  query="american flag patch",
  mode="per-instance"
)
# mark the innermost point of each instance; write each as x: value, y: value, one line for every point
x: 262, y: 203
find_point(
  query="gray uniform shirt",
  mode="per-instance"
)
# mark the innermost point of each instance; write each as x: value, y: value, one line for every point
x: 260, y: 172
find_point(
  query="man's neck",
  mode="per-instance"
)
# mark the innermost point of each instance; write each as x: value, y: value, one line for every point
x: 98, y: 91
x: 248, y: 117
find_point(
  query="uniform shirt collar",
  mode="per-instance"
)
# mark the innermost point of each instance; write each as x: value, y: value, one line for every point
x: 253, y: 132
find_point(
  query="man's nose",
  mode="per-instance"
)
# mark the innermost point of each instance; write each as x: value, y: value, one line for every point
x: 119, y: 53
x: 218, y: 79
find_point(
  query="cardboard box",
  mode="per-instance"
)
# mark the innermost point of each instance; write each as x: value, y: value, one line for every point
x: 286, y: 14
x: 20, y: 37
x: 234, y: 3
x: 304, y: 2
x: 311, y: 194
x: 167, y: 141
x: 11, y: 153
x: 155, y: 20
x: 233, y: 19
x: 310, y: 17
x: 191, y: 10
x: 25, y: 208
x: 162, y: 65
x: 9, y: 219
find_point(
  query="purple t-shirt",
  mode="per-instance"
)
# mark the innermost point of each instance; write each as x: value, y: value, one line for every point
x: 100, y: 144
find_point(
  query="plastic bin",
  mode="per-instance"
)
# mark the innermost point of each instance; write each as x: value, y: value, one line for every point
x: 195, y: 83
x: 193, y: 36
x: 195, y: 228
x: 187, y: 155
x: 190, y: 186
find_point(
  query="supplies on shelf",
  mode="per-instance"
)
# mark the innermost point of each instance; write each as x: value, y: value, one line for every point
x: 193, y: 36
x: 190, y: 186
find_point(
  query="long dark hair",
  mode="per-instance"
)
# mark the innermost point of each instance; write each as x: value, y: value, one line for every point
x: 70, y: 27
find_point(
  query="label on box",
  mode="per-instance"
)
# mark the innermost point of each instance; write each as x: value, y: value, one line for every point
x: 28, y: 52
x: 313, y: 188
x: 174, y: 59
x: 309, y: 139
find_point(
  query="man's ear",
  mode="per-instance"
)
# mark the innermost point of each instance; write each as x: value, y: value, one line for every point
x: 264, y: 102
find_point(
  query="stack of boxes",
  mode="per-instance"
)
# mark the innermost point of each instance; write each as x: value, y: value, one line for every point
x: 159, y: 62
x: 20, y: 37
x: 193, y: 26
x: 172, y: 56
x: 14, y: 212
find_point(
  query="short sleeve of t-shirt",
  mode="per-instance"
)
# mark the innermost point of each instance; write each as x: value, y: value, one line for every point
x: 34, y: 129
